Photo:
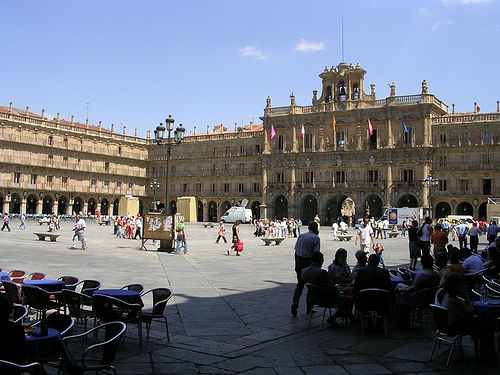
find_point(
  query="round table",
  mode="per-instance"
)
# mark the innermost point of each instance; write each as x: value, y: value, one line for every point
x: 4, y: 276
x: 43, y: 348
x: 488, y: 308
x: 129, y: 296
x: 48, y: 285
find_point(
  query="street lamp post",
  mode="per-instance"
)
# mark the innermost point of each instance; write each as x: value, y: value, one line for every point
x: 155, y: 185
x: 430, y: 182
x: 159, y: 137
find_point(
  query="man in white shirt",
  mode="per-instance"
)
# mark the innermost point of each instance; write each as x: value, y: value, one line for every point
x: 335, y: 228
x: 79, y: 230
x: 343, y: 227
x: 385, y: 224
x: 365, y: 236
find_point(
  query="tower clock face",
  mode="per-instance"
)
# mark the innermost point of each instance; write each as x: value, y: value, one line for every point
x: 340, y: 106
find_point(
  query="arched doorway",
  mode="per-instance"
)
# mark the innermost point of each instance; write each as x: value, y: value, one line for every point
x: 373, y: 205
x: 212, y: 211
x: 1, y: 202
x: 465, y: 208
x: 77, y: 205
x: 62, y: 204
x: 115, y: 207
x: 255, y: 210
x: 140, y: 208
x: 31, y: 203
x: 173, y: 207
x: 408, y: 200
x: 333, y: 208
x: 47, y: 205
x: 200, y: 211
x: 104, y: 207
x: 15, y: 204
x: 160, y: 207
x: 443, y: 209
x: 309, y: 208
x: 91, y: 206
x: 225, y: 206
x: 482, y: 214
x: 281, y: 207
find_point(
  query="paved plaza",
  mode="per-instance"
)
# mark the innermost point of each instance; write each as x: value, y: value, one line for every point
x: 231, y: 315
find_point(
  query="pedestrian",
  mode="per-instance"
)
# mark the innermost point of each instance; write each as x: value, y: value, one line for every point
x: 138, y: 227
x: 236, y: 237
x: 462, y: 230
x: 474, y: 233
x: 306, y: 245
x: 23, y: 222
x: 424, y: 234
x: 335, y: 228
x: 365, y: 236
x: 79, y: 230
x: 385, y: 224
x: 404, y: 228
x: 439, y: 239
x: 222, y: 231
x: 379, y: 228
x: 181, y: 237
x: 492, y: 232
x: 379, y: 250
x: 413, y: 246
x: 6, y: 222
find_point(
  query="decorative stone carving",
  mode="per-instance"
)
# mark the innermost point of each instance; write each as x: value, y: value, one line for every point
x: 424, y: 87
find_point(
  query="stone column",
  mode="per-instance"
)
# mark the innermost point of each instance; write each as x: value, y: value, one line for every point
x: 267, y: 147
x: 69, y: 210
x: 263, y: 211
x: 55, y: 207
x: 111, y: 208
x: 360, y: 138
x: 321, y: 139
x: 23, y: 206
x: 205, y: 211
x: 85, y: 207
x: 3, y: 205
x: 425, y: 190
x: 427, y: 132
x: 390, y: 139
x: 39, y: 206
x: 334, y: 138
x: 388, y: 185
x: 295, y: 147
x: 98, y: 207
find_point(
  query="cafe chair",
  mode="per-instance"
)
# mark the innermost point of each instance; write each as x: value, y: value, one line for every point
x: 160, y: 298
x: 394, y: 273
x: 19, y: 312
x: 317, y: 296
x: 135, y: 287
x: 109, y: 309
x: 35, y: 276
x: 98, y: 356
x: 422, y: 299
x: 88, y: 287
x: 7, y: 367
x: 451, y: 328
x: 12, y: 292
x: 17, y: 276
x: 60, y: 322
x: 373, y: 304
x: 70, y: 282
x: 38, y: 299
x: 76, y: 302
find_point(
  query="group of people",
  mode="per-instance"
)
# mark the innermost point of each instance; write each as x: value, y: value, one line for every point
x: 235, y: 236
x: 286, y: 227
x: 129, y: 227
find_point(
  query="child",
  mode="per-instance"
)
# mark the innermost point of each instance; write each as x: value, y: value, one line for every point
x: 379, y: 249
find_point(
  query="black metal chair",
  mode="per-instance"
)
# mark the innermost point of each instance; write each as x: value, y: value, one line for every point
x: 39, y: 299
x: 451, y: 327
x: 70, y: 282
x: 318, y: 296
x: 7, y: 367
x: 62, y: 323
x: 109, y: 309
x: 88, y: 287
x: 12, y: 292
x: 18, y: 313
x: 373, y: 304
x: 160, y: 298
x: 423, y: 298
x: 98, y: 356
x: 135, y: 287
x: 76, y: 302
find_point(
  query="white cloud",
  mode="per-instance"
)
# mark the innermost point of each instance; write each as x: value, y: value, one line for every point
x: 466, y: 2
x: 305, y: 46
x: 424, y: 12
x: 250, y: 51
x: 439, y: 24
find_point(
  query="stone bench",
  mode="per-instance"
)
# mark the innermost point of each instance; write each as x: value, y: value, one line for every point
x: 393, y: 234
x: 52, y: 236
x: 344, y: 237
x: 43, y: 221
x: 206, y: 225
x: 268, y: 240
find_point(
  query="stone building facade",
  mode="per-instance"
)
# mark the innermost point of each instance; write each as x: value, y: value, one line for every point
x: 321, y: 160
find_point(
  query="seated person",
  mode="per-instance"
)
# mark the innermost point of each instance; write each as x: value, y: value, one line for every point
x: 314, y: 274
x: 453, y: 295
x: 494, y: 260
x: 472, y: 262
x: 372, y: 276
x: 13, y: 342
x: 339, y: 271
x: 425, y: 279
x: 454, y: 267
x: 441, y: 260
x: 362, y: 259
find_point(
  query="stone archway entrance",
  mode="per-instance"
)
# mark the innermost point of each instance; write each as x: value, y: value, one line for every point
x: 374, y: 206
x: 408, y: 200
x: 224, y: 207
x: 104, y: 207
x: 62, y: 204
x: 482, y: 213
x: 333, y: 208
x: 15, y: 204
x: 212, y: 211
x: 47, y: 205
x: 91, y: 206
x: 309, y: 208
x: 281, y: 207
x: 443, y: 209
x: 173, y: 207
x: 200, y: 211
x: 31, y: 203
x: 255, y: 210
x: 465, y: 208
x: 115, y: 207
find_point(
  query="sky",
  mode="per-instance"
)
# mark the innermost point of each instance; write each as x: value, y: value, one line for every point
x: 134, y: 62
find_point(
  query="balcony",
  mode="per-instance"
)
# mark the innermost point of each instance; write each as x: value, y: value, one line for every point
x: 466, y: 166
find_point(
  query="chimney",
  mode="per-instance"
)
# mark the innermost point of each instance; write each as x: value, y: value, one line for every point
x: 194, y: 130
x: 124, y: 130
x: 43, y: 114
x: 208, y: 129
x: 498, y: 106
x: 135, y: 133
x: 112, y: 128
x: 235, y: 126
x: 148, y: 134
x: 475, y: 107
x: 10, y: 107
x: 27, y: 110
x: 100, y: 125
x: 72, y: 119
x: 57, y: 118
x: 87, y: 122
x: 453, y: 109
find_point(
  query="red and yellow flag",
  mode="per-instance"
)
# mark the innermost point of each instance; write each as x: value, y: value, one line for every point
x: 334, y: 124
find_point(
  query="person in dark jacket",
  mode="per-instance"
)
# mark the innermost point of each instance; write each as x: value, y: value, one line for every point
x: 372, y: 276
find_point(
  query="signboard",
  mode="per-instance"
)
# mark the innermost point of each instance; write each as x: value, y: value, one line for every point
x: 158, y: 227
x: 393, y: 216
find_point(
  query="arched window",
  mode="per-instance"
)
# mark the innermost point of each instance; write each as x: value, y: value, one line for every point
x: 355, y: 92
x: 328, y: 96
x: 342, y: 91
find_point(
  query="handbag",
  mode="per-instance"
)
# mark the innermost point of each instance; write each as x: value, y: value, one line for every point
x: 239, y: 246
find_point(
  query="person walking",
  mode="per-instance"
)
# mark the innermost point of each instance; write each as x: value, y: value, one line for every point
x: 491, y: 232
x: 6, y: 222
x: 462, y: 231
x: 474, y: 233
x: 181, y: 237
x: 235, y: 238
x: 307, y: 244
x: 365, y: 236
x: 385, y: 224
x: 23, y: 222
x: 425, y: 233
x: 138, y: 227
x: 413, y: 246
x: 222, y: 232
x: 79, y: 230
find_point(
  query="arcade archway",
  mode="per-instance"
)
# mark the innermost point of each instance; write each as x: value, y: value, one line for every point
x: 77, y: 205
x: 15, y: 204
x: 31, y: 203
x: 374, y: 206
x: 47, y: 205
x: 408, y: 200
x: 212, y: 211
x: 442, y: 209
x: 200, y: 211
x: 104, y: 207
x: 333, y: 208
x: 62, y: 205
x: 482, y: 213
x: 255, y: 210
x: 465, y: 208
x: 281, y: 207
x: 309, y: 208
x: 91, y: 206
x: 115, y: 207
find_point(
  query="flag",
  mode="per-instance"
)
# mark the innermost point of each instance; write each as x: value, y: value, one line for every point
x: 370, y: 127
x: 302, y: 131
x: 404, y: 125
x: 273, y: 132
x: 334, y: 124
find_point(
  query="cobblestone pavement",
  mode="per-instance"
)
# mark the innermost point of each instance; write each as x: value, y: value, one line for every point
x: 231, y: 315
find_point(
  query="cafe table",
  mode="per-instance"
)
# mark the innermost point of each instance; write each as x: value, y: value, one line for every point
x: 128, y: 296
x: 43, y: 348
x: 47, y: 285
x: 4, y: 276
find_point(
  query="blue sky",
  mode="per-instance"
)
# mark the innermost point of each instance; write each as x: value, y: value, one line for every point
x: 212, y: 62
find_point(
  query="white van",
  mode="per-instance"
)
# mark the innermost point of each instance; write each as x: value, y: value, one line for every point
x: 237, y: 213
